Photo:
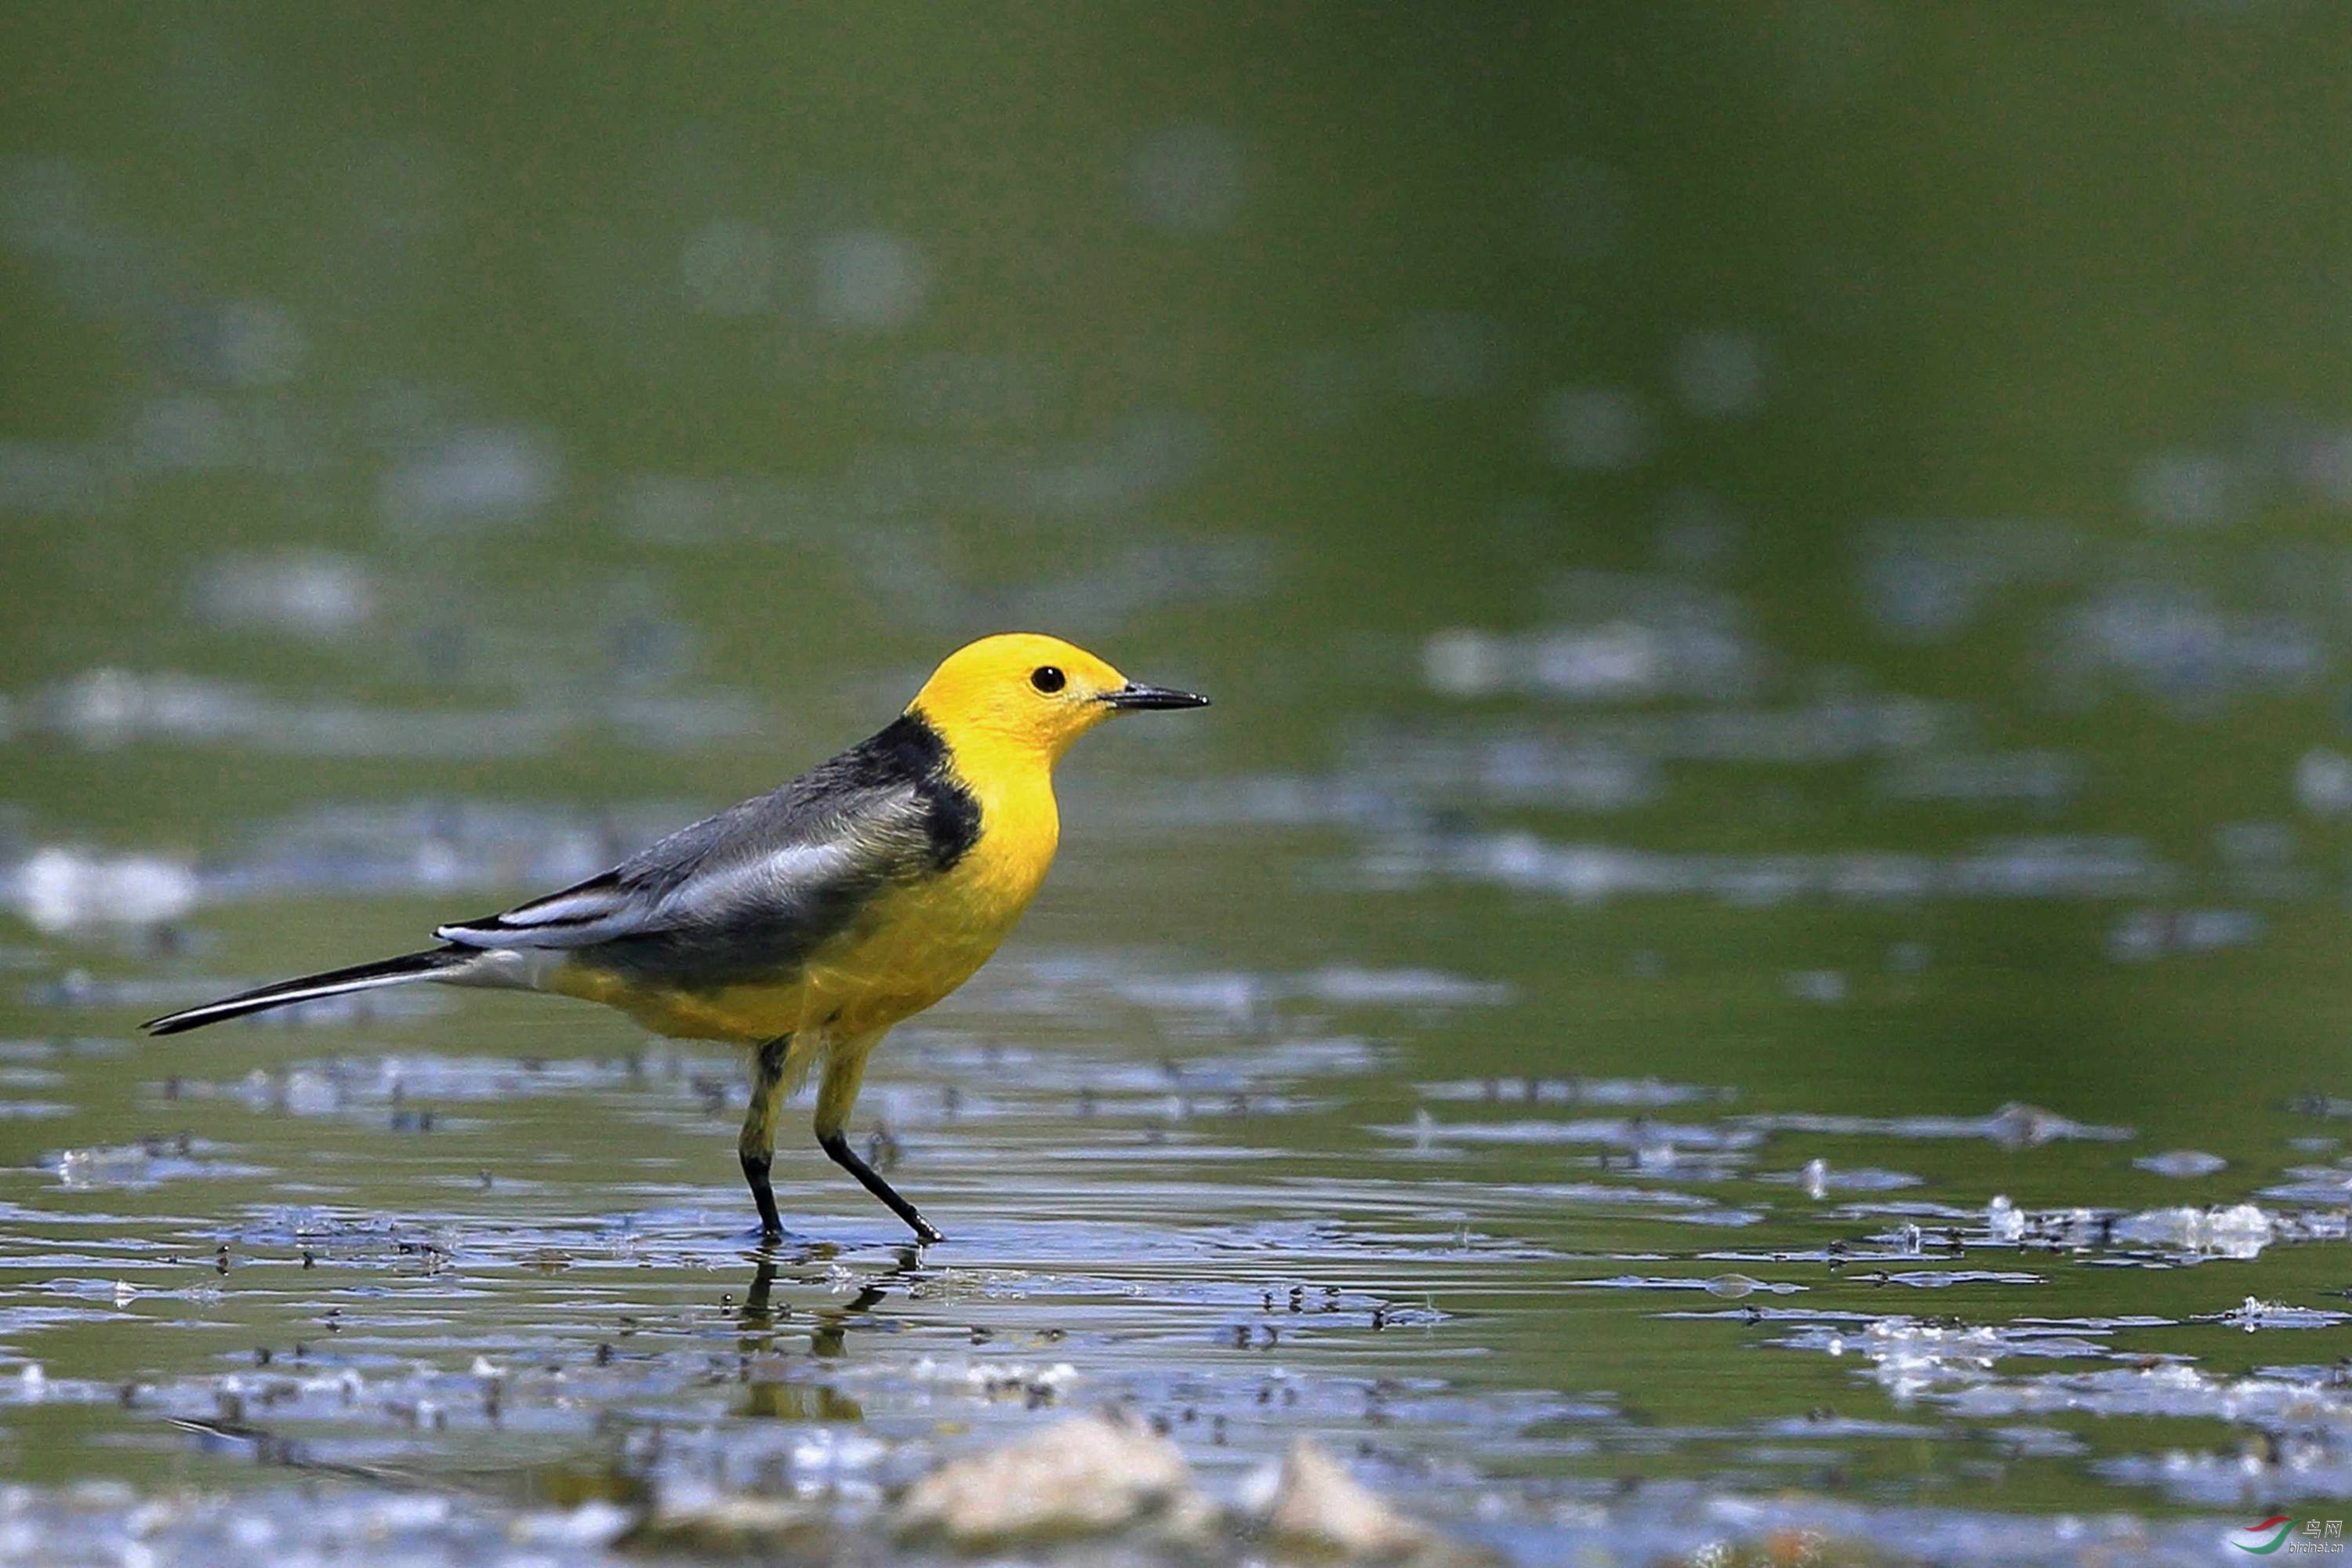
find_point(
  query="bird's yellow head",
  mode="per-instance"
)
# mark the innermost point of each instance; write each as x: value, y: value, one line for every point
x: 1029, y: 695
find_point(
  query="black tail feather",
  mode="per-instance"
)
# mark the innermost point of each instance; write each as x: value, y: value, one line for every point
x: 408, y: 966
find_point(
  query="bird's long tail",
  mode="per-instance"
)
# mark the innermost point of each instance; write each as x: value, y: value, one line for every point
x: 435, y: 963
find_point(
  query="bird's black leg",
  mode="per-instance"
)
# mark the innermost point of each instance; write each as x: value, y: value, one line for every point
x: 763, y: 1193
x: 837, y: 1146
x: 758, y: 1145
x: 844, y: 1068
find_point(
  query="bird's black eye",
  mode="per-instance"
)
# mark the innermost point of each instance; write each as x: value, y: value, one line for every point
x: 1048, y: 678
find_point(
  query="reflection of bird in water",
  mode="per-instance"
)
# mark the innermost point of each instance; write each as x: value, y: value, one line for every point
x: 805, y: 922
x: 756, y: 1315
x: 829, y: 1323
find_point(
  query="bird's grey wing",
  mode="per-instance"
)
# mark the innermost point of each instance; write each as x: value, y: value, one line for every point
x: 738, y: 895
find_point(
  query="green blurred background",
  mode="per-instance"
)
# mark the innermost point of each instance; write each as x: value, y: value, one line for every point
x: 1278, y: 342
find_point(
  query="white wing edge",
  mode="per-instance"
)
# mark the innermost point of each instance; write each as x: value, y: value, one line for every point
x: 591, y: 917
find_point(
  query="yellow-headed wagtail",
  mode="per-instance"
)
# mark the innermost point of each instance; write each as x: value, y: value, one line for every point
x: 806, y: 922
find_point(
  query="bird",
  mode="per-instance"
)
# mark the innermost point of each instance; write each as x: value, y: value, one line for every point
x: 804, y: 924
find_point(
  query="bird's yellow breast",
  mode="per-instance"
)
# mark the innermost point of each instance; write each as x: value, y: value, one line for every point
x: 910, y: 945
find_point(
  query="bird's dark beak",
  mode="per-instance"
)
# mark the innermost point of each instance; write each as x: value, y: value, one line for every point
x: 1135, y: 695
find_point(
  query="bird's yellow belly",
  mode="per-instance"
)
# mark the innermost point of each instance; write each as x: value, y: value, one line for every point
x: 909, y: 947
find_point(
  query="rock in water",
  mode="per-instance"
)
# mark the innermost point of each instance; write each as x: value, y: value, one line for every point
x: 1320, y: 1512
x: 1079, y: 1477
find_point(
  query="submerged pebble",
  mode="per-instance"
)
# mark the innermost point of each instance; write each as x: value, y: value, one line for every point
x: 1318, y: 1510
x: 1083, y: 1475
